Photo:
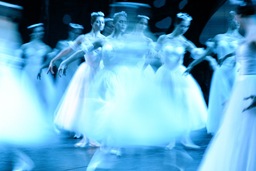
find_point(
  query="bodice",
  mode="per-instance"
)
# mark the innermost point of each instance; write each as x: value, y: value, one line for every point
x: 227, y: 44
x: 92, y: 58
x: 172, y: 54
x: 246, y: 57
x: 117, y: 52
x: 35, y: 53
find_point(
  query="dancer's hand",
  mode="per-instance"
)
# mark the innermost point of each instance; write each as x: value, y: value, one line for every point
x: 253, y: 102
x: 50, y: 67
x: 62, y: 68
x: 187, y: 71
x: 39, y: 75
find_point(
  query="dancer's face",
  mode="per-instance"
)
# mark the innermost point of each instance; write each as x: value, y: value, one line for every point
x: 98, y: 24
x: 38, y: 33
x: 121, y: 24
x: 142, y: 24
x: 183, y: 26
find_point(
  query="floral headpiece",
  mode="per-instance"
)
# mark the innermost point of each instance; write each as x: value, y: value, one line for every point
x: 143, y: 16
x: 97, y: 14
x: 108, y: 19
x: 184, y: 16
x: 122, y: 13
x: 76, y: 26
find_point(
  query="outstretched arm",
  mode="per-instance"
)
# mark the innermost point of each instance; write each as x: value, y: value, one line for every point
x: 73, y: 47
x: 62, y: 53
x: 207, y: 52
x: 45, y: 65
x: 64, y: 64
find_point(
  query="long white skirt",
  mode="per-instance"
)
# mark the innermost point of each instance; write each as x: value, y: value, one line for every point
x: 234, y: 146
x: 23, y: 120
x: 185, y: 95
x: 220, y: 90
x: 69, y: 114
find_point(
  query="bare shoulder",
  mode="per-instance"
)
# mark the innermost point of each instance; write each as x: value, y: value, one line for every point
x: 80, y: 38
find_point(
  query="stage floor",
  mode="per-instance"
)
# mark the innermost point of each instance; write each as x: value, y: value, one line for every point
x: 59, y: 154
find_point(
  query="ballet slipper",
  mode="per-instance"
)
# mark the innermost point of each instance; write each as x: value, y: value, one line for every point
x: 77, y: 136
x: 23, y: 163
x: 81, y: 144
x: 116, y: 151
x: 189, y: 144
x: 94, y: 144
x: 170, y: 146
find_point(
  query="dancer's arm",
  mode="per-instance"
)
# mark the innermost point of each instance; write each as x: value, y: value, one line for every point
x: 205, y: 55
x: 65, y: 52
x: 64, y: 64
x: 78, y: 54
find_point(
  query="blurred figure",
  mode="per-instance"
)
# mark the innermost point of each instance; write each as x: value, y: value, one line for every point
x: 109, y: 27
x: 223, y: 45
x: 139, y: 36
x: 22, y: 122
x: 124, y: 110
x: 75, y: 30
x: 233, y: 146
x: 34, y: 54
x: 224, y: 74
x: 69, y: 113
x: 182, y: 92
x: 61, y: 83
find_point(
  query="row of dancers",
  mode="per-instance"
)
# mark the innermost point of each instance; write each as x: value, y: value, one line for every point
x: 69, y: 116
x: 115, y: 99
x: 127, y: 103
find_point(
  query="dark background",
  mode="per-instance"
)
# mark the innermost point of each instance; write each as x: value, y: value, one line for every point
x: 56, y: 14
x: 209, y: 18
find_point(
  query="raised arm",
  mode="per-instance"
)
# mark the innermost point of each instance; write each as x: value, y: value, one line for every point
x: 86, y: 48
x: 65, y: 52
x: 64, y: 64
x: 199, y: 57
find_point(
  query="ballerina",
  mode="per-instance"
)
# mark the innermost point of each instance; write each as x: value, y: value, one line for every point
x: 182, y: 92
x: 223, y: 45
x: 233, y: 146
x: 69, y: 114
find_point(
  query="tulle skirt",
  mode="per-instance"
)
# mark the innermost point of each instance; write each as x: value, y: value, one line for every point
x: 22, y: 117
x: 63, y: 82
x: 184, y: 93
x: 129, y: 110
x: 45, y: 88
x: 70, y: 113
x: 221, y: 87
x: 234, y: 146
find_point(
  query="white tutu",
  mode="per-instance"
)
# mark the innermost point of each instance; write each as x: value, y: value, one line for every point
x: 69, y: 114
x: 184, y: 93
x: 233, y: 147
x: 23, y: 120
x: 221, y: 87
x: 131, y: 112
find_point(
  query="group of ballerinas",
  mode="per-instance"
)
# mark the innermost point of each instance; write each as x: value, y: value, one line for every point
x: 123, y: 102
x: 115, y: 98
x: 22, y: 122
x: 233, y: 146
